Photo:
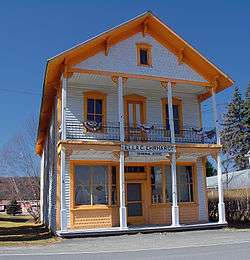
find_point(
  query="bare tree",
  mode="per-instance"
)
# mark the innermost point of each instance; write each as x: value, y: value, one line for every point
x: 18, y: 158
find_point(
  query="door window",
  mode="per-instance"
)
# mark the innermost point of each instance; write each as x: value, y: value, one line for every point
x: 134, y: 199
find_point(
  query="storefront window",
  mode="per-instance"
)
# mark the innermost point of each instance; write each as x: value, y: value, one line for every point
x: 168, y: 183
x: 114, y: 190
x: 91, y: 185
x: 156, y: 184
x: 184, y: 183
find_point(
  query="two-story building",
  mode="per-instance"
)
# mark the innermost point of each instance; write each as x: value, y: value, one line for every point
x: 120, y: 133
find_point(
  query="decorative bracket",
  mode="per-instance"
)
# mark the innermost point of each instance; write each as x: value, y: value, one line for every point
x: 164, y: 84
x: 115, y: 79
x: 215, y: 82
x: 67, y: 73
x: 181, y: 56
x: 107, y: 46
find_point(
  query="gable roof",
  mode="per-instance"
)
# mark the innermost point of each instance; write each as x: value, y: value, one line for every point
x: 146, y: 23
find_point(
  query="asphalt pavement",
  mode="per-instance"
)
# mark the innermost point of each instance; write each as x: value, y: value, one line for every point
x: 212, y: 244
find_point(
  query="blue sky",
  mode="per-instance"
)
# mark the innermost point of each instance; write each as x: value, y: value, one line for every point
x: 33, y: 31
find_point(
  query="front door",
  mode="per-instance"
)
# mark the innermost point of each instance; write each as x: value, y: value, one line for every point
x: 135, y: 203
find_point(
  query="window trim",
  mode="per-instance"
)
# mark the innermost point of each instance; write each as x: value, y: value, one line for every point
x: 148, y: 48
x: 95, y: 95
x: 134, y: 98
x: 164, y: 184
x: 109, y: 165
x: 177, y: 102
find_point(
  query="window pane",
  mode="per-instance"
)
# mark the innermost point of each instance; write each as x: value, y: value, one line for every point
x: 114, y: 196
x: 100, y: 185
x: 114, y: 175
x: 134, y: 192
x: 82, y: 195
x: 98, y: 106
x: 134, y: 169
x: 167, y: 121
x: 144, y: 56
x: 82, y: 185
x: 134, y: 209
x: 156, y: 182
x: 168, y: 183
x: 90, y: 117
x: 166, y: 110
x: 98, y: 119
x: 175, y: 111
x: 100, y: 195
x: 99, y: 175
x: 90, y: 106
x: 167, y: 125
x: 176, y: 126
x: 175, y: 117
x: 184, y: 181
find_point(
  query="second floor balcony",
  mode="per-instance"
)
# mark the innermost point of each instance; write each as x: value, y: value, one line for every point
x: 142, y: 133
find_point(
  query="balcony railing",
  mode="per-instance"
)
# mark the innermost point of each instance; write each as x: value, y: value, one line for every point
x: 154, y: 133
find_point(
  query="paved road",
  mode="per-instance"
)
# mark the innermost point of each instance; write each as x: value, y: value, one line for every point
x: 202, y: 245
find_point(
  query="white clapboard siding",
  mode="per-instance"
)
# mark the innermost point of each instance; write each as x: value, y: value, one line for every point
x: 122, y: 57
x: 50, y: 174
x: 75, y: 102
x: 203, y: 215
x: 46, y: 184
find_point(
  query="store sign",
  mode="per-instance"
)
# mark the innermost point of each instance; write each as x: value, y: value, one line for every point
x: 146, y: 150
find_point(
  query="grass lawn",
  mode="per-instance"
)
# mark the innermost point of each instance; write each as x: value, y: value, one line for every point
x: 8, y: 221
x: 22, y: 231
x: 4, y: 215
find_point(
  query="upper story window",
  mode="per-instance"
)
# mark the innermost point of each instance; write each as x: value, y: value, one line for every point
x: 95, y: 107
x: 144, y: 54
x: 177, y: 114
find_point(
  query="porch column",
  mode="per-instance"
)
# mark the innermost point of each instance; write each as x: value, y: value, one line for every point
x: 221, y: 204
x: 63, y: 216
x: 175, y: 207
x: 123, y: 210
x: 63, y: 112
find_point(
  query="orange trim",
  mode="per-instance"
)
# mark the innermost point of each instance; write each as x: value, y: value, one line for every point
x: 95, y: 95
x: 148, y: 48
x: 135, y: 99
